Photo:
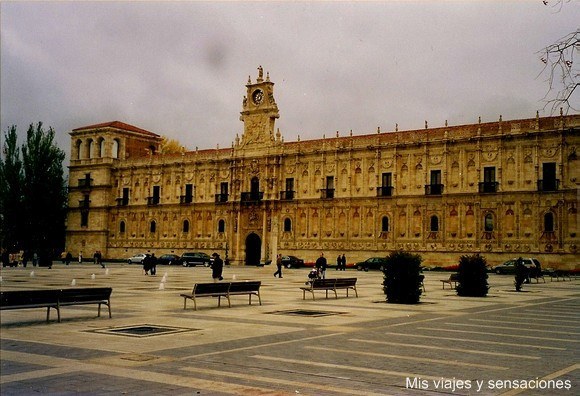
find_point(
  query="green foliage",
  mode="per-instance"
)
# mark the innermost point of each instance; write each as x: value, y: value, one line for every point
x: 472, y: 275
x: 33, y: 196
x: 402, y: 278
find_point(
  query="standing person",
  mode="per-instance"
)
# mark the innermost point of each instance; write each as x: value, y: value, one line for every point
x: 321, y: 265
x: 100, y: 259
x: 217, y: 267
x: 279, y: 266
x: 343, y: 259
x: 96, y: 257
x: 80, y: 257
x: 146, y: 264
x: 521, y: 274
x: 34, y: 259
x: 153, y: 264
x: 338, y: 263
x: 67, y: 259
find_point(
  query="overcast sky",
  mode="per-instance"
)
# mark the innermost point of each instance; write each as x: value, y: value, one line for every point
x: 179, y: 69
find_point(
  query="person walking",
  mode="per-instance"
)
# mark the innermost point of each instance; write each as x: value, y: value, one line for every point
x: 338, y: 263
x: 343, y: 262
x: 279, y: 266
x: 321, y: 264
x: 217, y: 268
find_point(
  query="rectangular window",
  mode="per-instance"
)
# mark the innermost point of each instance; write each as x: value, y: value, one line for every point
x: 154, y: 199
x: 386, y: 187
x: 224, y: 188
x: 549, y: 181
x: 489, y: 184
x: 188, y: 197
x: 126, y: 196
x: 435, y: 188
x: 489, y: 174
x: 329, y: 191
x: 223, y: 194
x: 288, y: 194
x: 84, y: 218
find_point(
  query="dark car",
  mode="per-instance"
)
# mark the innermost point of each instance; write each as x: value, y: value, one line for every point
x: 371, y: 263
x: 191, y: 259
x: 168, y: 259
x: 292, y: 262
x: 509, y: 267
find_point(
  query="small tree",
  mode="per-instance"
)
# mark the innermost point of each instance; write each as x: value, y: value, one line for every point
x: 472, y: 276
x: 402, y: 278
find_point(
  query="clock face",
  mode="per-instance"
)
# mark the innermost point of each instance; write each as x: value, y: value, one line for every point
x: 258, y: 96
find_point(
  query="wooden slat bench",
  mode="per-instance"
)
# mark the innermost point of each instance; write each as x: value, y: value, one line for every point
x: 330, y: 284
x: 452, y: 281
x: 22, y: 299
x: 222, y: 289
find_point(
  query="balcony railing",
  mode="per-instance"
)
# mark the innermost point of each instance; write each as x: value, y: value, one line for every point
x: 154, y: 200
x: 221, y: 198
x: 286, y: 195
x: 252, y: 197
x: 488, y: 187
x: 122, y: 201
x: 433, y: 189
x: 327, y: 193
x: 385, y: 191
x: 549, y: 185
x: 185, y: 199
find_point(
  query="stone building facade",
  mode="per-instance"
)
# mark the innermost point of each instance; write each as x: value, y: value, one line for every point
x: 503, y: 189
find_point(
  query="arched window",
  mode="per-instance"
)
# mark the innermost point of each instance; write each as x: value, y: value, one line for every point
x: 102, y: 148
x: 185, y: 226
x: 488, y: 223
x: 115, y: 148
x: 434, y: 224
x: 152, y: 226
x: 221, y: 226
x: 122, y: 227
x: 385, y: 224
x: 549, y: 222
x: 78, y: 146
x: 90, y: 148
x: 287, y: 225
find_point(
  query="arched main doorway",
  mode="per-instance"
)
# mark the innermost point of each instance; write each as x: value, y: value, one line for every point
x: 253, y: 249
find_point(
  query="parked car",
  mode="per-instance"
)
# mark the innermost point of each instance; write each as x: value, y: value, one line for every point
x: 292, y: 262
x: 192, y: 259
x: 371, y: 263
x: 137, y: 259
x: 168, y: 259
x: 509, y: 267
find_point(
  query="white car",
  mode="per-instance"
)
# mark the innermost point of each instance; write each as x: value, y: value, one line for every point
x: 137, y: 259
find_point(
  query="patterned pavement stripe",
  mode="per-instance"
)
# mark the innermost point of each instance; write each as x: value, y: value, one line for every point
x: 260, y: 346
x: 423, y: 346
x: 301, y: 387
x: 344, y: 367
x: 511, y: 344
x: 523, y: 323
x: 496, y: 334
x: 510, y: 328
x: 412, y: 358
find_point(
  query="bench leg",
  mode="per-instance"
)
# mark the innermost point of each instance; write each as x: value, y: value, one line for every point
x: 47, y: 314
x: 229, y: 302
x: 194, y: 304
x: 335, y: 294
x: 99, y: 311
x: 259, y: 298
x: 184, y: 302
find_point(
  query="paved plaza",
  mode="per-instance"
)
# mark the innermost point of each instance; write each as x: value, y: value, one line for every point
x: 288, y: 346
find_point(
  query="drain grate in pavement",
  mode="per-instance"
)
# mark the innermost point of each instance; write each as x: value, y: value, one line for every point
x: 143, y: 330
x: 306, y: 312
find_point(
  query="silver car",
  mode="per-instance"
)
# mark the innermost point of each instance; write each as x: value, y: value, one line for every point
x: 137, y: 259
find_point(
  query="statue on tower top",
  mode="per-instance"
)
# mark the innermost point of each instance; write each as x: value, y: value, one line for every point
x: 260, y: 74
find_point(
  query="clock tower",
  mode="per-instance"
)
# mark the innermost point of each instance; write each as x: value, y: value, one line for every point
x: 259, y: 111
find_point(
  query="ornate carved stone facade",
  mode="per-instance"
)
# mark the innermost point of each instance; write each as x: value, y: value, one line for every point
x: 504, y: 189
